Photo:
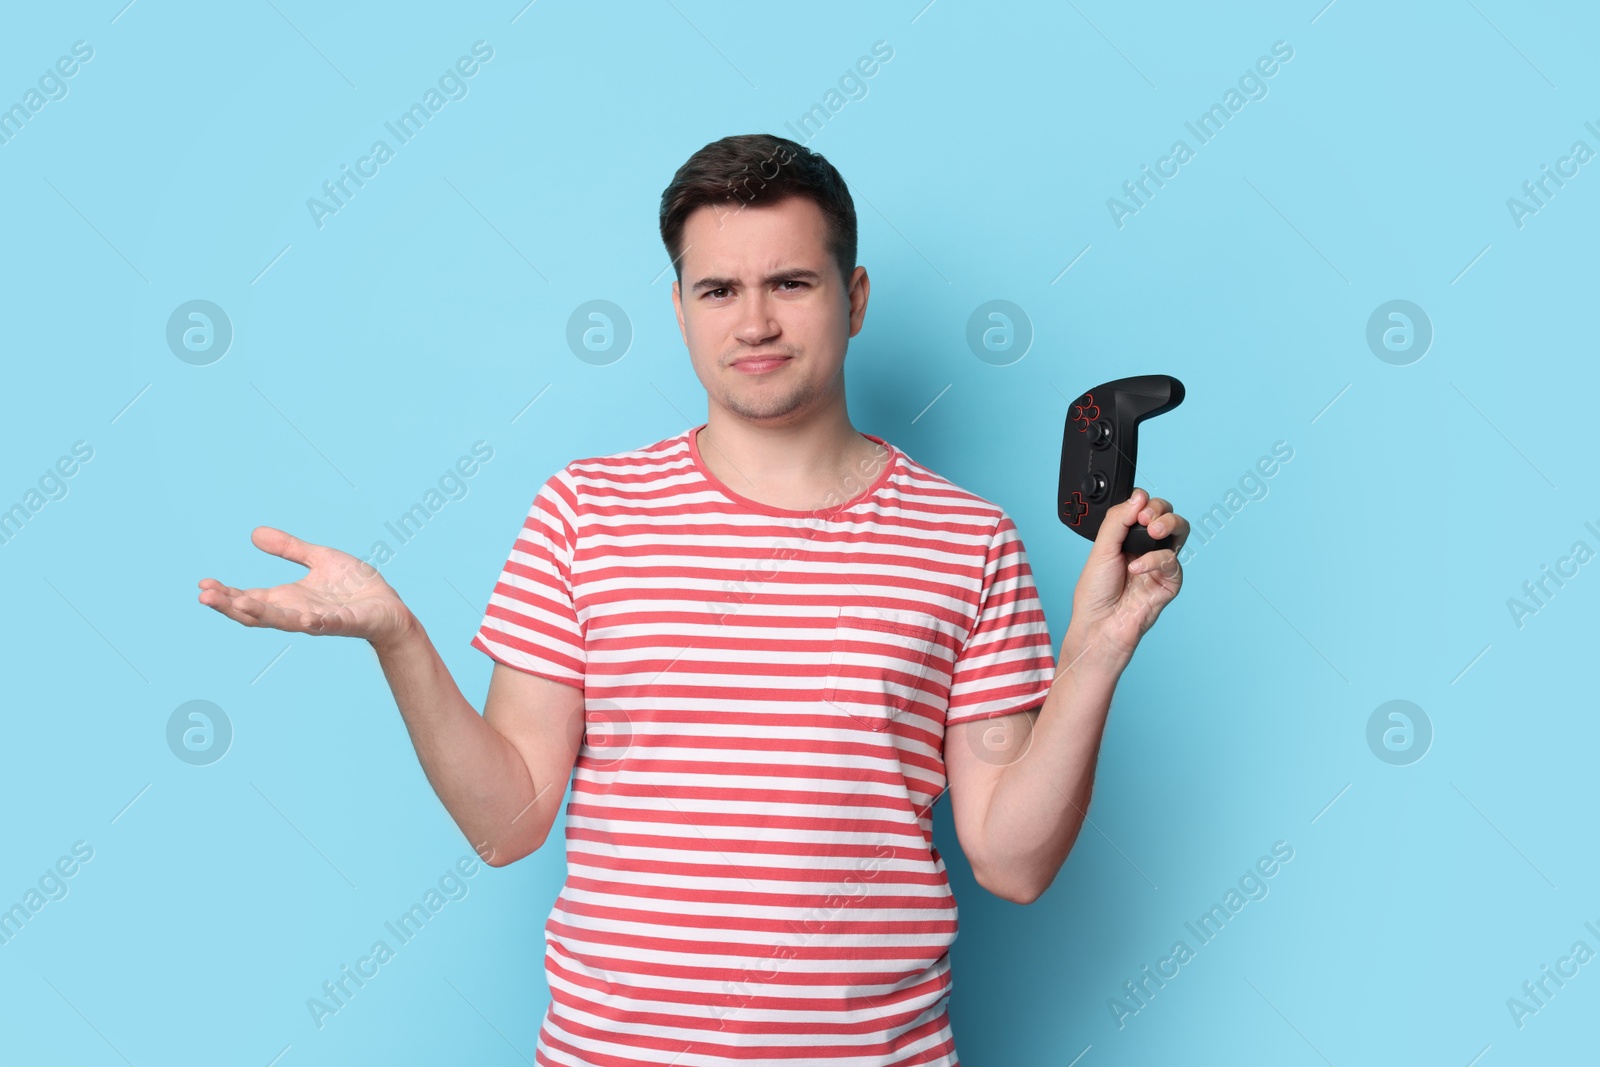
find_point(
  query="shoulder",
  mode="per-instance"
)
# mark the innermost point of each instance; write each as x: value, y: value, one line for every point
x: 926, y: 490
x: 625, y: 472
x: 983, y: 540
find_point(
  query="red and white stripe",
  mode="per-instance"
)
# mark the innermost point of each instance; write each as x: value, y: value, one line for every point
x: 751, y: 871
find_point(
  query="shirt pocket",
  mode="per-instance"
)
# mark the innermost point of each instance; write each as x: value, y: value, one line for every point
x: 884, y: 661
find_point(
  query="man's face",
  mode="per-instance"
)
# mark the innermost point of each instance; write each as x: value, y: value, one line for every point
x: 759, y: 281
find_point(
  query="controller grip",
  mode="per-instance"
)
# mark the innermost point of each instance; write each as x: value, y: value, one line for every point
x: 1138, y: 541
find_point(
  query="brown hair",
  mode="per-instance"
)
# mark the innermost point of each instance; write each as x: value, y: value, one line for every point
x: 758, y: 168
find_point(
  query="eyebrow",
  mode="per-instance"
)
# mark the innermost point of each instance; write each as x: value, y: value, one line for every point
x: 796, y: 274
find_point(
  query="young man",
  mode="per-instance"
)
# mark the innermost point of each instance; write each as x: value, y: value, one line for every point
x: 761, y: 649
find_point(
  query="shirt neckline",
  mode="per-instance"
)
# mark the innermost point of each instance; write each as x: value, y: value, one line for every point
x: 766, y: 509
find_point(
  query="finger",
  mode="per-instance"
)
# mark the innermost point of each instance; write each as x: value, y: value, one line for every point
x: 1179, y: 530
x: 217, y: 594
x: 1152, y: 510
x: 1114, y: 527
x: 1163, y: 562
x: 252, y: 608
x: 253, y: 604
x: 1169, y: 523
x: 271, y: 539
x: 219, y: 587
x: 226, y: 604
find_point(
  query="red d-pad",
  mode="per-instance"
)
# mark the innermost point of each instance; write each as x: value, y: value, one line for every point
x: 1085, y: 412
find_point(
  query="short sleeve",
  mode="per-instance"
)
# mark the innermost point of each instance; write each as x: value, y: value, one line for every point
x: 532, y: 619
x: 1007, y: 663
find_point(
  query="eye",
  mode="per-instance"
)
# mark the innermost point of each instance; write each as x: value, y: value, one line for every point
x: 714, y: 292
x: 792, y: 281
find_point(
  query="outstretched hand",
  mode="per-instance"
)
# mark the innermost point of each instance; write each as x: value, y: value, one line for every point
x: 339, y: 595
x: 1117, y: 598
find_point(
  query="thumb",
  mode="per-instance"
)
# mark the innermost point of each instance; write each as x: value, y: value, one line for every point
x: 279, y: 543
x: 1114, y: 527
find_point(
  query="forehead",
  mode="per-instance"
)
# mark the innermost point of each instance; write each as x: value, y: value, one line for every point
x: 727, y: 239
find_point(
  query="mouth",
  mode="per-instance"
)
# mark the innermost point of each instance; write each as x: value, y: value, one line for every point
x: 759, y: 364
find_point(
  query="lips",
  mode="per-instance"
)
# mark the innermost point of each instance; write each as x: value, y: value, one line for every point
x: 759, y: 364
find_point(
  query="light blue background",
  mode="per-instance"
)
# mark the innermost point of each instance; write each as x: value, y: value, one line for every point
x: 370, y: 353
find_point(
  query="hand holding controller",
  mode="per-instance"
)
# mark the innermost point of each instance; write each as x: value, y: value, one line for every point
x: 1099, y: 447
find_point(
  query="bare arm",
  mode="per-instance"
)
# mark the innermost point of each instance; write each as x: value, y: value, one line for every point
x: 501, y: 775
x: 1020, y: 784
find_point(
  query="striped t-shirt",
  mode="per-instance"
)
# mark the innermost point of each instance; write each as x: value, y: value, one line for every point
x: 751, y: 875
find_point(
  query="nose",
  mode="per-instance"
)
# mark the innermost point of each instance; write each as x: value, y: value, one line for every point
x: 756, y: 324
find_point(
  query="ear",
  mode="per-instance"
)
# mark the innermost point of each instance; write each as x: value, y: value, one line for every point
x: 677, y: 308
x: 860, y: 288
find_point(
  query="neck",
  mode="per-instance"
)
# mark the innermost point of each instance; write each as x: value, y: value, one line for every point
x: 818, y: 463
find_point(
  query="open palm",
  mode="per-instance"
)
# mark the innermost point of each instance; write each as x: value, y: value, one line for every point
x: 339, y: 595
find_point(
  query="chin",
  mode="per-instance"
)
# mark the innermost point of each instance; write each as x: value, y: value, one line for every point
x: 774, y: 407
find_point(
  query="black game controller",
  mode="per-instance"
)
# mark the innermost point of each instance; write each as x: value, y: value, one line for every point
x: 1099, y: 447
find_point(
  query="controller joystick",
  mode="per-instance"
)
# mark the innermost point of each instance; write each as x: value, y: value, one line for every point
x: 1099, y: 448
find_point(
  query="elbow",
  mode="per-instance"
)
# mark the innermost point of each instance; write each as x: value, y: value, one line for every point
x: 497, y: 859
x: 1017, y: 890
x: 505, y: 853
x: 1024, y: 896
